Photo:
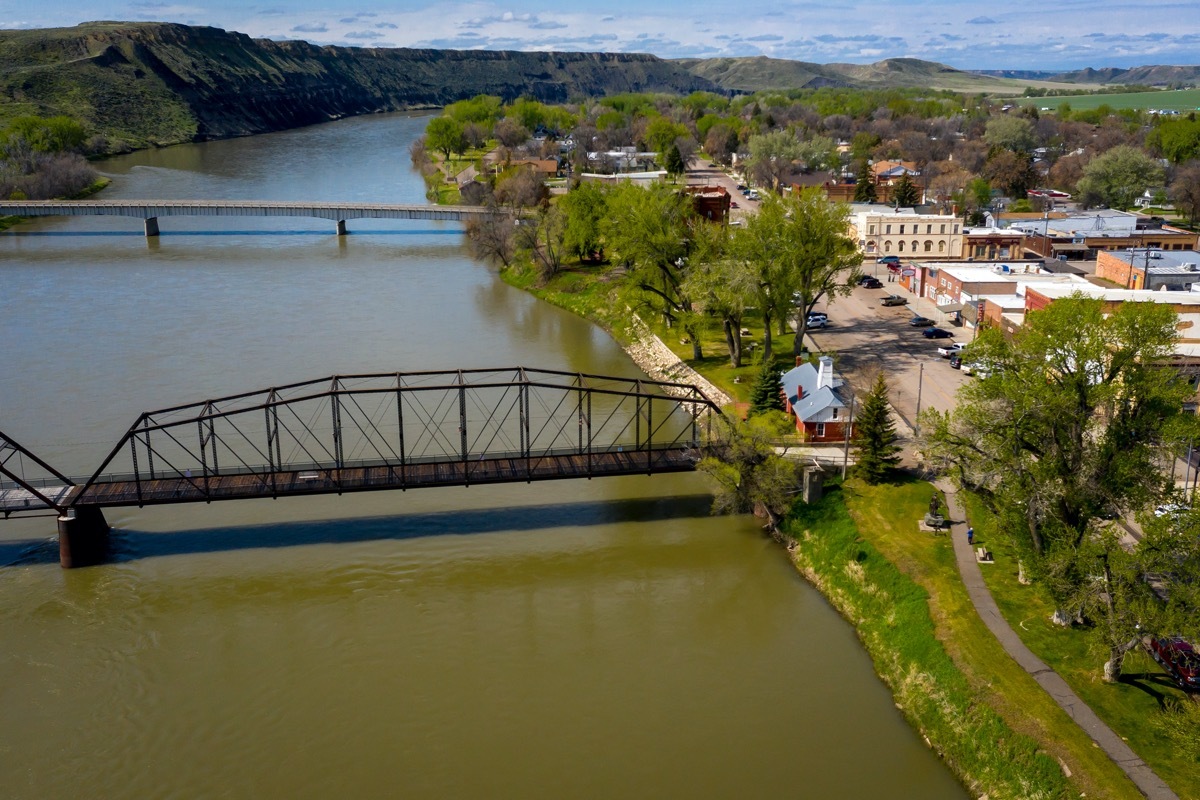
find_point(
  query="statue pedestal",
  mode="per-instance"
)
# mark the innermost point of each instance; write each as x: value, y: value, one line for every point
x: 933, y: 523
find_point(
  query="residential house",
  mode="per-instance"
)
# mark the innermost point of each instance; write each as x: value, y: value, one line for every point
x: 813, y: 394
x: 711, y: 202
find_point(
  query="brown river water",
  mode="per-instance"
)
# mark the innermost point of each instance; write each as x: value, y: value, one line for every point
x: 602, y: 638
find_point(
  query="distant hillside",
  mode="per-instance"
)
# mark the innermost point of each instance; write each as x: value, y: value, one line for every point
x: 760, y: 73
x: 158, y: 83
x: 1141, y: 76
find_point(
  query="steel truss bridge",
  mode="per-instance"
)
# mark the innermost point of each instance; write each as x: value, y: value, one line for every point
x: 150, y: 210
x: 351, y: 433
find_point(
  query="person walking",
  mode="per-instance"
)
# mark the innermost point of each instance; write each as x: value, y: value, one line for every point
x: 970, y: 535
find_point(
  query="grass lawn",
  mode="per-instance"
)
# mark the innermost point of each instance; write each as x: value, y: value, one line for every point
x: 1127, y: 706
x: 887, y: 516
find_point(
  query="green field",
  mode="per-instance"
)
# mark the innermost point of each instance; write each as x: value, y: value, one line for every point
x: 1180, y: 100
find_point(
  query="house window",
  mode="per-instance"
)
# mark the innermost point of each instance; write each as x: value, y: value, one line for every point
x: 928, y: 246
x: 915, y: 245
x: 889, y: 229
x: 871, y: 230
x: 943, y: 230
x: 956, y: 228
x: 928, y: 229
x: 901, y: 246
x: 887, y: 247
x: 901, y: 230
x: 820, y: 430
x: 942, y: 246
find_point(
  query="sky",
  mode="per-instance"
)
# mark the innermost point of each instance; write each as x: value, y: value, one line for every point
x: 1017, y: 34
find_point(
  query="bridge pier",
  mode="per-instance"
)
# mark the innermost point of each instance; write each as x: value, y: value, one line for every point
x: 82, y: 537
x: 341, y: 227
x: 151, y: 226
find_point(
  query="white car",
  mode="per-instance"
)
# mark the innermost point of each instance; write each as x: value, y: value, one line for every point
x: 816, y: 320
x: 945, y: 351
x: 1173, y: 510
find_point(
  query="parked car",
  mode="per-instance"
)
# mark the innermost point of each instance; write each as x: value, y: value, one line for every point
x: 1170, y: 510
x: 816, y: 320
x: 955, y: 361
x: 1179, y: 659
x: 888, y: 260
x: 979, y: 369
x: 871, y: 283
x: 864, y: 278
x: 920, y: 322
x: 893, y: 300
x: 936, y: 333
x: 951, y: 349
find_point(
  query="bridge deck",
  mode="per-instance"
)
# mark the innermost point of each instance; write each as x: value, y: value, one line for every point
x: 197, y: 489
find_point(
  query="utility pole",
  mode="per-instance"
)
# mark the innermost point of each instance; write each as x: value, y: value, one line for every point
x: 920, y: 382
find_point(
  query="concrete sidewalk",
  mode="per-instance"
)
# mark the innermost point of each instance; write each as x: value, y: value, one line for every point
x: 985, y: 605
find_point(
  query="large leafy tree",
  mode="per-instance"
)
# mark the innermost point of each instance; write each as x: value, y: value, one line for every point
x: 1070, y: 428
x: 721, y: 286
x: 445, y: 134
x: 772, y: 156
x: 800, y: 251
x: 1118, y: 176
x: 585, y: 206
x: 749, y: 475
x: 875, y: 434
x: 650, y: 232
x: 1185, y: 190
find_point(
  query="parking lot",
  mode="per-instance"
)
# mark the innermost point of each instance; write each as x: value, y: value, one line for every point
x: 865, y: 337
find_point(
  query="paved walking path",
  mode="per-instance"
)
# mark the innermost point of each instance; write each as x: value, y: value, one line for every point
x: 1143, y: 777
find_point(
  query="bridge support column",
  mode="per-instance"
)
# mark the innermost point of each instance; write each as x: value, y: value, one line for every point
x: 151, y: 226
x: 82, y: 538
x: 341, y: 227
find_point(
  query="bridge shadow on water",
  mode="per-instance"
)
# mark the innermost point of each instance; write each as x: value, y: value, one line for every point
x: 128, y: 545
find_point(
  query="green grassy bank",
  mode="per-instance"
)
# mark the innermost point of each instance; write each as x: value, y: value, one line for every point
x: 895, y: 618
x: 1130, y: 706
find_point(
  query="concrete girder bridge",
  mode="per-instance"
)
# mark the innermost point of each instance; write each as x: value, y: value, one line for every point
x: 354, y: 433
x: 149, y: 211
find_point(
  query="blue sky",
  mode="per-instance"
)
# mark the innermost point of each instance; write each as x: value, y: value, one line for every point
x: 1019, y: 34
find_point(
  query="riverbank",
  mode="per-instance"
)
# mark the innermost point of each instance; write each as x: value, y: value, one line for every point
x: 995, y: 728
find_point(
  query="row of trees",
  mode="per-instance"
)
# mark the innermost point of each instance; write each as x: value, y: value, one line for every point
x: 683, y: 269
x: 1071, y: 430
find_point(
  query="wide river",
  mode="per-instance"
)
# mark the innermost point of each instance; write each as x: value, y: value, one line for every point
x: 602, y: 638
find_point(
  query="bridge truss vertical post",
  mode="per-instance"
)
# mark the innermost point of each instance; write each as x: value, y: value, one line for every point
x: 149, y: 449
x: 649, y: 435
x: 400, y: 427
x: 637, y: 414
x: 274, y: 461
x: 526, y: 444
x: 462, y: 426
x: 137, y: 475
x: 589, y: 433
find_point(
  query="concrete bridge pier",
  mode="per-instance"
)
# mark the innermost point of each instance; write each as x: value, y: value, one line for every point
x: 341, y: 227
x: 151, y: 226
x: 82, y: 537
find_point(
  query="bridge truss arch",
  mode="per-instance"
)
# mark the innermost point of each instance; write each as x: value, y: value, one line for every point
x: 403, y: 430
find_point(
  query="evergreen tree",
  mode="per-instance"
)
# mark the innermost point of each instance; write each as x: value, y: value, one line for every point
x: 905, y: 193
x: 675, y: 164
x: 766, y: 395
x: 875, y: 433
x: 864, y: 186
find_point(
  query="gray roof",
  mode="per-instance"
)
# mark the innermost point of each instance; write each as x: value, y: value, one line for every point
x: 1162, y: 262
x: 809, y: 403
